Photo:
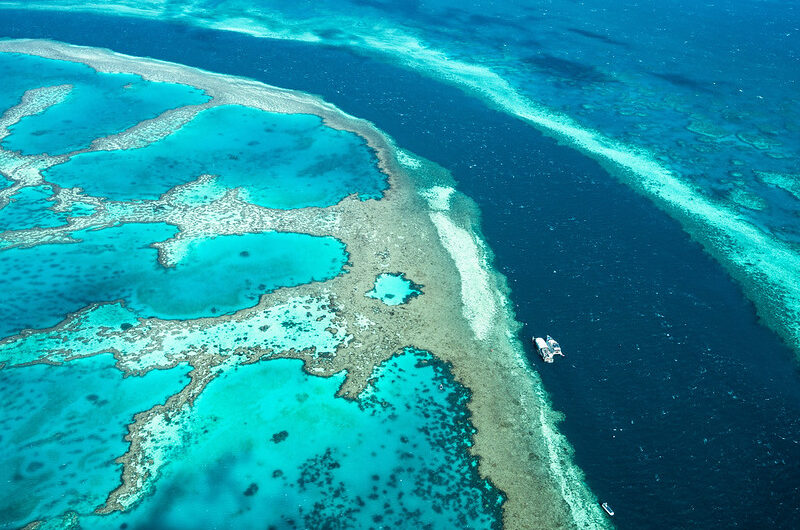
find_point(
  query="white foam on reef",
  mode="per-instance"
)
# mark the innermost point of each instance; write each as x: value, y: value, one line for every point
x: 438, y: 197
x: 479, y: 306
x: 406, y: 159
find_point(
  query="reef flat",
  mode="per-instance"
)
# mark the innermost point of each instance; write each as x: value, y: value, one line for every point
x: 420, y: 227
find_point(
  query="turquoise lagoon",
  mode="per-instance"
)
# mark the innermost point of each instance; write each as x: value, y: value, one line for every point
x: 61, y: 427
x: 270, y: 447
x: 98, y: 105
x: 279, y: 160
x: 30, y: 207
x: 394, y: 289
x: 215, y: 276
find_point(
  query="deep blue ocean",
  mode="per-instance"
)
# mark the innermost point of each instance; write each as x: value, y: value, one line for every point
x: 683, y: 410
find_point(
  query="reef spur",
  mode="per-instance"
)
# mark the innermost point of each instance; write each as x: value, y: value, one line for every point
x: 422, y: 227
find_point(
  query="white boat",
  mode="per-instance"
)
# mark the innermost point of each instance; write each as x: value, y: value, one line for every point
x: 543, y: 349
x: 554, y: 346
x: 608, y: 509
x: 547, y: 348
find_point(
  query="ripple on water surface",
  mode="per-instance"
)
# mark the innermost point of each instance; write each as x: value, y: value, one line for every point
x: 214, y: 276
x: 98, y: 105
x: 279, y: 161
x: 62, y: 426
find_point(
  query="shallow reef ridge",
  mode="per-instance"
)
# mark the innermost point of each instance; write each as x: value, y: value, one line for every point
x: 256, y: 310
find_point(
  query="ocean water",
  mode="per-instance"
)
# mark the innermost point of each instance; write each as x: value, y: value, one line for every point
x: 279, y: 161
x: 270, y: 447
x: 394, y: 289
x: 62, y: 427
x: 681, y: 406
x: 97, y: 105
x: 216, y: 276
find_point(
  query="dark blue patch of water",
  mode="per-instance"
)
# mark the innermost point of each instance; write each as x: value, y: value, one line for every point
x: 682, y: 408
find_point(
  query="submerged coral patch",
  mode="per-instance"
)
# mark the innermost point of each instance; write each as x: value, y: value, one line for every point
x: 398, y: 456
x: 156, y: 279
x: 33, y: 207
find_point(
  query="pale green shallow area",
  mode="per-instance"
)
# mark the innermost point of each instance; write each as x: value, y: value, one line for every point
x: 61, y: 427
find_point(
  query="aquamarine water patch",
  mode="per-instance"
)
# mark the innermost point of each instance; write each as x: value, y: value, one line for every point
x: 30, y: 207
x: 279, y: 161
x: 98, y: 105
x: 23, y: 72
x: 215, y: 276
x: 89, y: 330
x: 270, y: 446
x: 222, y: 274
x: 394, y: 289
x: 46, y: 282
x: 61, y: 427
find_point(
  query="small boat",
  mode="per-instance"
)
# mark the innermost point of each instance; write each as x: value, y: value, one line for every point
x: 547, y: 348
x: 554, y: 346
x: 607, y: 508
x: 543, y: 349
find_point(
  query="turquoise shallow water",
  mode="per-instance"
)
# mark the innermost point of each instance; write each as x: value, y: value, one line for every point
x: 61, y: 427
x: 280, y: 161
x: 30, y: 207
x: 271, y: 447
x: 216, y: 276
x: 98, y: 105
x: 394, y: 289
